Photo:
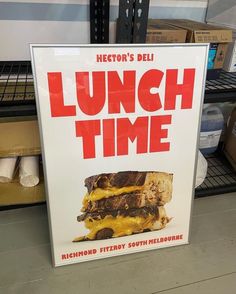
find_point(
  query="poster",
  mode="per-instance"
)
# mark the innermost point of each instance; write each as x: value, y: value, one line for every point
x: 119, y: 129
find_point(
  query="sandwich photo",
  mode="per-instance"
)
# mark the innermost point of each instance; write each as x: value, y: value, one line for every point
x: 125, y: 203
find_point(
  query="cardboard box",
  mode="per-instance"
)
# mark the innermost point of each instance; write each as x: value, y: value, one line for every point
x: 19, y: 137
x: 14, y: 194
x: 161, y: 32
x: 230, y: 58
x: 198, y: 32
x: 230, y: 142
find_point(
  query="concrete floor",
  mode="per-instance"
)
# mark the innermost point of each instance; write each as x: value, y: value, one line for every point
x: 206, y: 266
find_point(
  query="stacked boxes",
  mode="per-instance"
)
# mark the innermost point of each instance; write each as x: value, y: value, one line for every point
x: 197, y: 32
x: 230, y: 59
x: 161, y: 32
x: 223, y: 13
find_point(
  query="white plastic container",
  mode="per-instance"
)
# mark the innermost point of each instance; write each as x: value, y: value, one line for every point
x: 211, y: 128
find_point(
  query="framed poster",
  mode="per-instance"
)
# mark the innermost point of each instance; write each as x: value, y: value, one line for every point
x: 119, y: 131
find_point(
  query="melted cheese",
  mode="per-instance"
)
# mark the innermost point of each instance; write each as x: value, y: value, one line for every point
x: 125, y: 225
x: 99, y: 193
x: 121, y: 226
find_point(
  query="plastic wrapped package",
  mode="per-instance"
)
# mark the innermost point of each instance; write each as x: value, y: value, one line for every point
x: 29, y: 171
x: 7, y: 168
x: 201, y: 169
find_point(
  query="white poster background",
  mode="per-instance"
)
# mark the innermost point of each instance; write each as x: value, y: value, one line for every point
x: 64, y: 167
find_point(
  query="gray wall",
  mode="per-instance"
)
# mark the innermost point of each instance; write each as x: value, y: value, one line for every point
x: 67, y: 21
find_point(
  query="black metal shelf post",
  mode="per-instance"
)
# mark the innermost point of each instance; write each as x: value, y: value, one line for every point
x: 124, y: 25
x: 132, y: 21
x: 140, y: 21
x: 99, y: 21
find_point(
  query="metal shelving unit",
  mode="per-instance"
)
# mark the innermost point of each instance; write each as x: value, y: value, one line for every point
x: 17, y: 98
x: 221, y: 178
x: 222, y: 89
